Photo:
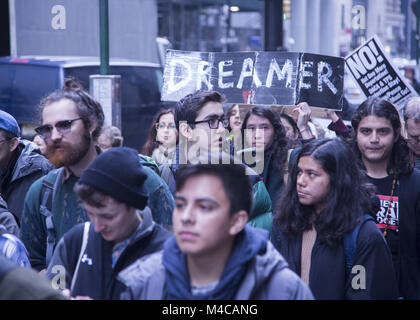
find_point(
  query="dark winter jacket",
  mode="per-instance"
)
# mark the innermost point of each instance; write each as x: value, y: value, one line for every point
x: 96, y: 278
x: 327, y: 275
x: 7, y: 219
x: 27, y: 166
x: 409, y: 232
x: 267, y: 277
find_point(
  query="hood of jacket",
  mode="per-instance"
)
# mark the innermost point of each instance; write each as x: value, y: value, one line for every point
x: 262, y: 269
x: 146, y: 277
x: 29, y: 161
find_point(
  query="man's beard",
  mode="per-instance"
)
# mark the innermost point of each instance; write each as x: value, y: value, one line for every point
x: 71, y: 154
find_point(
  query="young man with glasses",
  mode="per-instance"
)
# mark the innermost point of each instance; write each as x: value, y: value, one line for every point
x: 411, y: 114
x: 21, y: 163
x: 71, y: 123
x: 203, y: 137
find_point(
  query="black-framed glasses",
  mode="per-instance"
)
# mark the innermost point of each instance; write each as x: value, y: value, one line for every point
x: 163, y: 125
x: 4, y: 140
x: 214, y: 122
x: 63, y: 127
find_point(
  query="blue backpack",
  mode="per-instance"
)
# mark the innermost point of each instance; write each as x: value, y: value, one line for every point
x: 350, y: 243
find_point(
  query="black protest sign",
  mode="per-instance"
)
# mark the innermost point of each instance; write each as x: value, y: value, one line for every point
x: 375, y: 74
x: 279, y: 75
x: 265, y: 78
x: 322, y: 81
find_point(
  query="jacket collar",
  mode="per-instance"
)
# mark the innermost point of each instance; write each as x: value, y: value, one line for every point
x: 24, y: 163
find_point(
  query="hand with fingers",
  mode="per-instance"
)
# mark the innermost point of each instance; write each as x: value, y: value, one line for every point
x: 332, y: 115
x: 304, y: 114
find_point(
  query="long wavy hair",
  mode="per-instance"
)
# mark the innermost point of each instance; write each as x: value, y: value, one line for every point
x: 349, y: 198
x: 151, y: 142
x: 399, y: 161
x: 88, y: 108
x: 279, y: 146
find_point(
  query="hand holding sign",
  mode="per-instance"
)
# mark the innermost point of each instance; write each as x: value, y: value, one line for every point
x: 332, y: 115
x: 304, y: 115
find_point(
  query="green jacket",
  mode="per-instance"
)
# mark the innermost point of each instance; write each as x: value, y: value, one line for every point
x: 261, y: 213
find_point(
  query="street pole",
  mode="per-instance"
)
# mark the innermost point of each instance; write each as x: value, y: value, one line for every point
x: 104, y: 36
x: 105, y: 88
x: 273, y: 25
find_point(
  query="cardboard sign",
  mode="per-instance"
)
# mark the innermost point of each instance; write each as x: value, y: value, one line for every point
x: 375, y: 74
x: 263, y: 78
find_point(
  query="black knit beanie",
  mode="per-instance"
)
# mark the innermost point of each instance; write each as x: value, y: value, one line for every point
x: 119, y: 174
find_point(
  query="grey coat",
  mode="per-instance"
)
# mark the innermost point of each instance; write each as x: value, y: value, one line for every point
x: 7, y: 220
x: 268, y: 278
x: 29, y: 167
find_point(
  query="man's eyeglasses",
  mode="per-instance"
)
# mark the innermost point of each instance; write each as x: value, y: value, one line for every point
x: 163, y: 125
x: 4, y: 140
x: 214, y: 123
x: 63, y: 127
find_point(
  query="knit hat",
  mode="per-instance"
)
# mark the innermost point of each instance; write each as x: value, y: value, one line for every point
x: 9, y: 124
x: 119, y: 174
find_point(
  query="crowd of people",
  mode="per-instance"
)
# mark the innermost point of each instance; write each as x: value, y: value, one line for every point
x: 220, y: 203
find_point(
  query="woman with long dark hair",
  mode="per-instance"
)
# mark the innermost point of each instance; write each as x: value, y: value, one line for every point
x: 163, y: 138
x: 325, y: 199
x: 263, y: 132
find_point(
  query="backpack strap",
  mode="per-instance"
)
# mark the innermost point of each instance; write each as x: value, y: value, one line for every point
x: 82, y: 250
x: 350, y: 243
x: 166, y: 173
x: 48, y: 192
x: 168, y: 176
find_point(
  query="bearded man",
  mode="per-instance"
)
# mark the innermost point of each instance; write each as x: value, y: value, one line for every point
x: 71, y: 123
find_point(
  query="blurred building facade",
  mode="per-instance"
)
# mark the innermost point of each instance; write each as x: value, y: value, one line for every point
x: 212, y: 25
x: 331, y: 27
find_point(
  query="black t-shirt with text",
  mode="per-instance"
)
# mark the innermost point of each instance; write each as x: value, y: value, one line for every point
x: 383, y: 191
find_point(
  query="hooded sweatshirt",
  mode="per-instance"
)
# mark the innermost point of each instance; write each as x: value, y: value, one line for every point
x: 265, y: 274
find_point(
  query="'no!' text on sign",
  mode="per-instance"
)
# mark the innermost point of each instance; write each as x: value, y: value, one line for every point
x: 375, y: 74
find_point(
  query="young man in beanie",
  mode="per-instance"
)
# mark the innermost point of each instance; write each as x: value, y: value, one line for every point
x: 89, y: 257
x: 71, y: 123
x: 21, y: 163
x: 214, y: 254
